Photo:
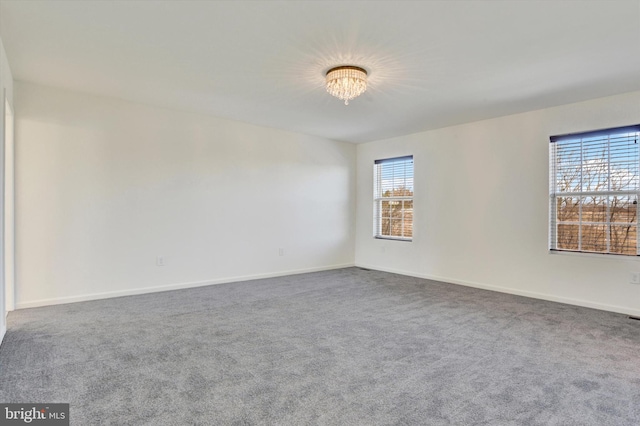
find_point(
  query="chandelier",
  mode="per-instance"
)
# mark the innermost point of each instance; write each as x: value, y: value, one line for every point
x: 346, y: 82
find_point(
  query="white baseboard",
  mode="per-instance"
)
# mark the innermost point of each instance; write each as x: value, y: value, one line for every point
x: 3, y: 331
x: 168, y: 287
x: 534, y: 295
x: 178, y: 286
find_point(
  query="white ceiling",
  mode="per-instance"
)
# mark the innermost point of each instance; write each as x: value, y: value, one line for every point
x: 431, y: 63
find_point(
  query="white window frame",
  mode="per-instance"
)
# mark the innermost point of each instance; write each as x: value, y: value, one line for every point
x: 554, y: 194
x: 378, y: 198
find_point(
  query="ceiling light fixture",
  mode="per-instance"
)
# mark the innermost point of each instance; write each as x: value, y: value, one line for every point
x: 346, y: 82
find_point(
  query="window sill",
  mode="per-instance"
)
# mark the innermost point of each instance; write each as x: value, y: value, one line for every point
x: 606, y: 256
x: 407, y: 240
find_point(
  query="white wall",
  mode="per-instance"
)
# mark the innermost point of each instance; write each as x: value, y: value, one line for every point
x: 481, y: 208
x: 6, y: 90
x: 9, y: 211
x: 104, y: 186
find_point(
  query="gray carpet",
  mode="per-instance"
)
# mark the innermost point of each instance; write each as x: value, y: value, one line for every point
x: 343, y: 347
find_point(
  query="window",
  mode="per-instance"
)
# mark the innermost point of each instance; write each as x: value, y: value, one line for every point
x: 393, y: 198
x: 594, y: 190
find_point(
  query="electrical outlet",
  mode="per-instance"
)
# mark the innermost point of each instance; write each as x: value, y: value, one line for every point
x: 160, y: 261
x: 634, y: 278
x: 281, y: 252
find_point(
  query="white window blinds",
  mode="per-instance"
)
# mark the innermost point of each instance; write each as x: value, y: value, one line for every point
x: 393, y: 198
x: 594, y: 188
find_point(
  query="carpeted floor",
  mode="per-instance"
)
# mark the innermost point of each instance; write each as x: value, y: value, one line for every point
x: 343, y: 347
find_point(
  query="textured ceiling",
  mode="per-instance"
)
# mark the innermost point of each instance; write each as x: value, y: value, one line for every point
x: 431, y: 63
